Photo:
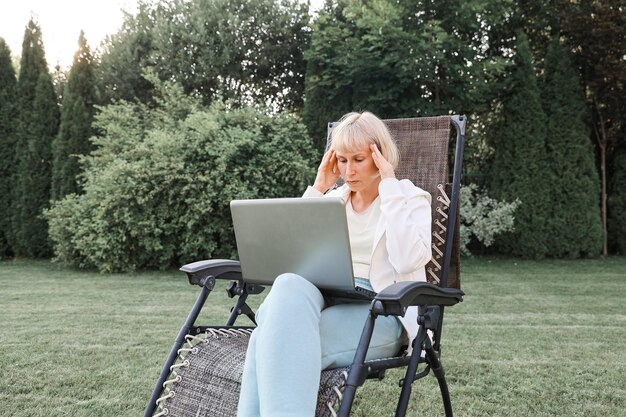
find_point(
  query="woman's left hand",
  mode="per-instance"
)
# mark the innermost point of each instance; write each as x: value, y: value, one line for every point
x: 384, y: 167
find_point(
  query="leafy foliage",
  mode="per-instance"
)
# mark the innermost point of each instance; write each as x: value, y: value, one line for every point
x: 398, y: 59
x: 483, y: 218
x: 574, y: 226
x: 594, y: 31
x: 123, y: 58
x: 76, y: 117
x: 520, y: 169
x: 158, y: 186
x: 38, y: 125
x: 8, y: 114
x: 242, y: 51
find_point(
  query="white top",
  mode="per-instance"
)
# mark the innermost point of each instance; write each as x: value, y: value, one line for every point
x: 402, y: 243
x: 362, y: 231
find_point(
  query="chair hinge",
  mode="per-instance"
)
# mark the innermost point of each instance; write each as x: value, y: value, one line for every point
x: 429, y: 318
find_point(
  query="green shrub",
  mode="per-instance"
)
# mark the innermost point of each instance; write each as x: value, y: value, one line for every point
x: 158, y: 186
x: 483, y: 218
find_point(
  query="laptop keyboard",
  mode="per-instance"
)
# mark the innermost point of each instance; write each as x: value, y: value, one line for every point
x: 364, y: 286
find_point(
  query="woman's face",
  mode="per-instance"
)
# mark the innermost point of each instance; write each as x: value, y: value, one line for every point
x: 357, y: 168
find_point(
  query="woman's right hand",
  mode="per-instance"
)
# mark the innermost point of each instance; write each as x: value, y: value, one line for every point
x: 327, y: 173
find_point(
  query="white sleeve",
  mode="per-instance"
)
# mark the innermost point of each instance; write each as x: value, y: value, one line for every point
x: 407, y: 215
x: 312, y: 192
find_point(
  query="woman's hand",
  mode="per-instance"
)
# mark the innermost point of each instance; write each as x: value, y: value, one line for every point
x: 327, y: 173
x: 384, y: 167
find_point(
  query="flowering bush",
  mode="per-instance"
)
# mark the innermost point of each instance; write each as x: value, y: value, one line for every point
x: 483, y: 218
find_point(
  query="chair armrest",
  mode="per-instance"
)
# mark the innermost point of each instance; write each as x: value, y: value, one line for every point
x: 197, y: 272
x: 396, y: 298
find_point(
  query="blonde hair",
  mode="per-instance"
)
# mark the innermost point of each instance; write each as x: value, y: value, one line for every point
x: 357, y: 130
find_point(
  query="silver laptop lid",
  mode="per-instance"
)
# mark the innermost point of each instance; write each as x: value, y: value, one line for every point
x: 305, y: 236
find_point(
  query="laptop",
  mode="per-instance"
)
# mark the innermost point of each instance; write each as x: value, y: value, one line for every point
x: 305, y: 236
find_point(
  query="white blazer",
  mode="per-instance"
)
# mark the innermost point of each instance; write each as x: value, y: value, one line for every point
x: 402, y: 244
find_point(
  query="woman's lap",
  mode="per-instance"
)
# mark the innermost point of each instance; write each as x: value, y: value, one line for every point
x: 297, y: 337
x: 340, y: 324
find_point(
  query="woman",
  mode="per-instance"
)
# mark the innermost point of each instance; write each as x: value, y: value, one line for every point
x: 298, y: 335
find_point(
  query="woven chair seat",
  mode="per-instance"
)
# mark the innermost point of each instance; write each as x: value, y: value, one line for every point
x: 206, y: 379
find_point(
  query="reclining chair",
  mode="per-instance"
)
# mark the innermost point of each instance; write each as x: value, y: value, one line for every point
x: 202, y: 374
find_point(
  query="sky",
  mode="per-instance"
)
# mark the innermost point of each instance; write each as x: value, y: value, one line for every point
x: 61, y: 22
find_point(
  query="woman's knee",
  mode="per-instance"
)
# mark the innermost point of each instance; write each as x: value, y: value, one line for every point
x: 289, y: 281
x: 291, y: 286
x: 291, y: 291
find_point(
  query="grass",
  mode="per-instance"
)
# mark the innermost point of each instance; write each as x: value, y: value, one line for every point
x: 531, y: 339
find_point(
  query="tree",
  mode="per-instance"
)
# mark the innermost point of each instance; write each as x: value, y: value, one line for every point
x: 574, y: 226
x: 520, y: 169
x: 8, y: 114
x: 594, y: 31
x: 538, y: 19
x: 124, y: 56
x: 59, y: 80
x: 76, y: 117
x: 398, y: 59
x: 242, y: 51
x: 38, y: 124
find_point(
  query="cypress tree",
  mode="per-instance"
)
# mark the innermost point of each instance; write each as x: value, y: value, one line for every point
x: 575, y: 224
x: 76, y: 118
x: 38, y: 125
x: 8, y: 86
x: 34, y: 171
x: 520, y: 169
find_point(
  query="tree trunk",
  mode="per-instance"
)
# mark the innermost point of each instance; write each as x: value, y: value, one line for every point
x: 602, y: 142
x: 605, y: 249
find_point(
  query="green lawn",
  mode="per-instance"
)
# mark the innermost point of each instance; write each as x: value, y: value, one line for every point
x: 531, y: 339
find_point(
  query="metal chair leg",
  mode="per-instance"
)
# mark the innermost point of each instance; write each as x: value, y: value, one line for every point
x: 180, y: 339
x: 358, y: 371
x: 411, y: 370
x: 440, y: 374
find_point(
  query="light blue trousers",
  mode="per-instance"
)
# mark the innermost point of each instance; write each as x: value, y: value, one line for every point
x: 295, y: 339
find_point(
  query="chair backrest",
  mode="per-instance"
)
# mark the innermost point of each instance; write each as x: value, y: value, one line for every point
x: 424, y: 145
